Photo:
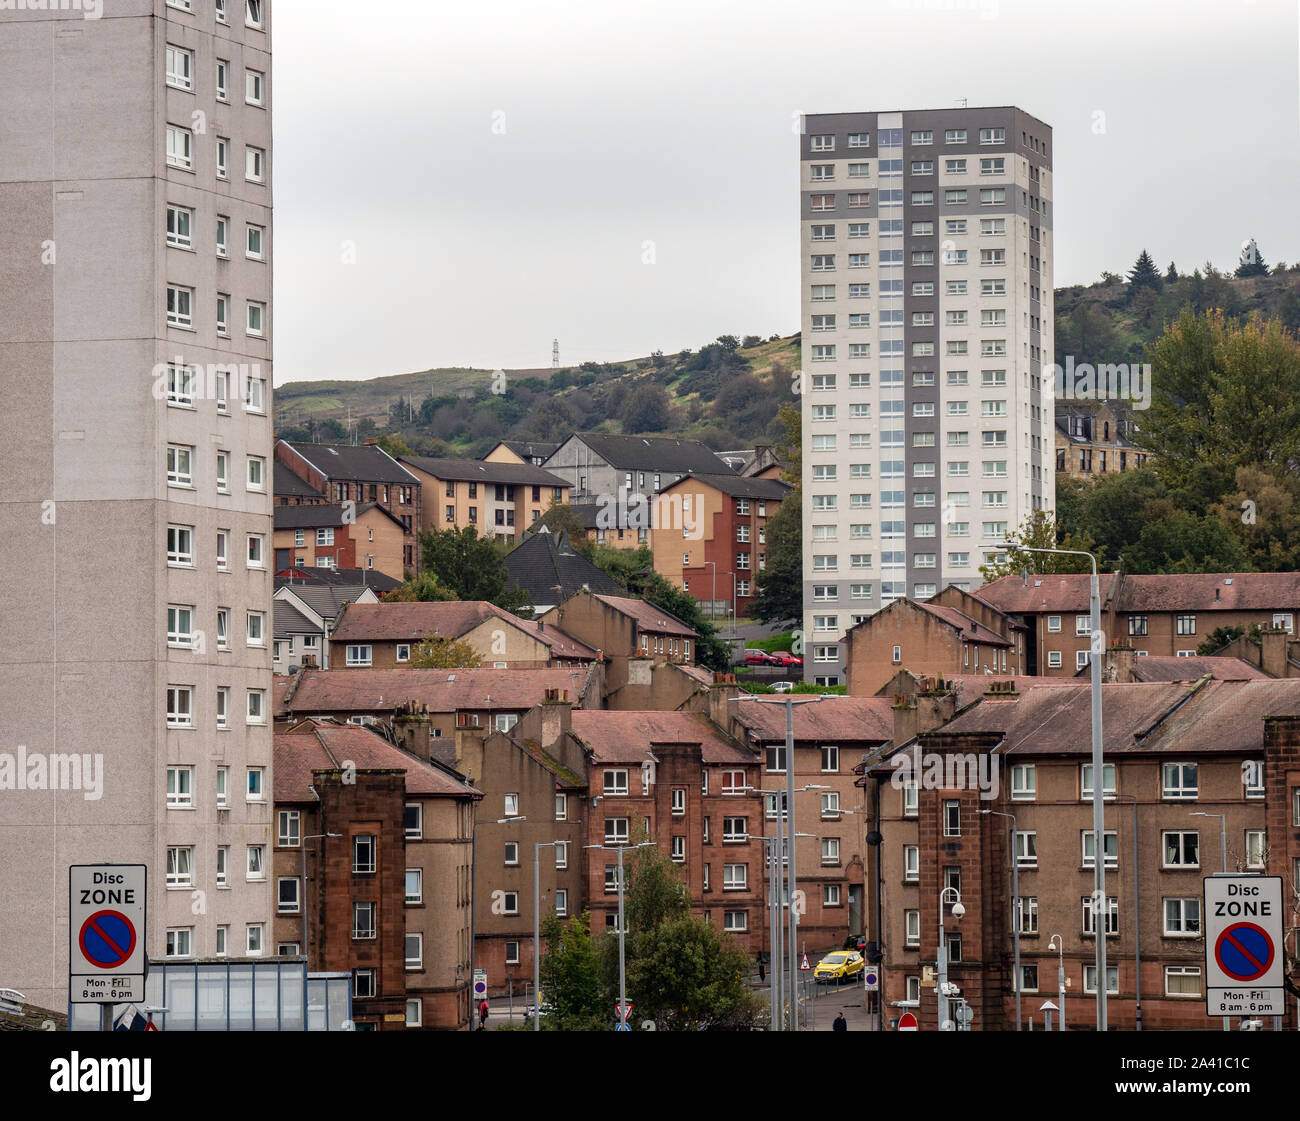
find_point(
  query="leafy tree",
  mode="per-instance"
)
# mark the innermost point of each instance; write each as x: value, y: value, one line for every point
x: 728, y: 343
x: 1171, y: 274
x: 1183, y: 542
x: 1038, y: 531
x: 560, y: 517
x: 393, y: 445
x: 648, y: 409
x: 442, y: 652
x: 1218, y: 638
x: 569, y: 975
x: 1143, y: 274
x: 472, y: 567
x: 423, y: 588
x: 780, y: 584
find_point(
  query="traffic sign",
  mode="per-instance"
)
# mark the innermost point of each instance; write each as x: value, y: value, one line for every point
x: 480, y: 983
x: 907, y: 1022
x: 804, y: 963
x: 871, y: 980
x: 1243, y: 931
x: 622, y: 1027
x: 106, y: 933
x: 624, y: 1009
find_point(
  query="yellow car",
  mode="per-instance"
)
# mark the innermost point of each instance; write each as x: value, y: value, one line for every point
x: 839, y: 966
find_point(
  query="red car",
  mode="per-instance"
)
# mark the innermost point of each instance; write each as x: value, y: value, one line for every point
x: 785, y: 658
x: 758, y: 658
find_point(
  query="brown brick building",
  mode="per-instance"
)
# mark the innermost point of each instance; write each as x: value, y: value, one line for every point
x: 372, y: 871
x: 1093, y: 440
x: 1172, y: 750
x: 333, y: 536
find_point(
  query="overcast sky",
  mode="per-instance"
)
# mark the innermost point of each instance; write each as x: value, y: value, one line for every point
x: 503, y: 170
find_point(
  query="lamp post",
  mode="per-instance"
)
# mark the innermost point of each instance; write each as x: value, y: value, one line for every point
x: 537, y: 909
x: 1015, y: 903
x: 1223, y: 860
x: 622, y: 922
x: 1098, y: 818
x: 957, y: 911
x: 473, y: 892
x: 1058, y: 943
x: 786, y: 828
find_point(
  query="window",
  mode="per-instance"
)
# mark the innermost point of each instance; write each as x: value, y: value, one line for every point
x: 1137, y: 624
x: 358, y: 655
x: 180, y: 706
x: 414, y: 1013
x: 180, y: 227
x: 830, y: 850
x: 912, y: 928
x: 1256, y: 849
x: 255, y: 550
x: 993, y: 136
x: 1026, y: 849
x: 180, y: 68
x: 180, y: 867
x: 288, y: 829
x: 561, y: 902
x: 223, y: 707
x: 180, y: 626
x: 253, y: 14
x: 414, y: 951
x: 775, y: 756
x: 911, y: 799
x: 412, y: 821
x: 615, y: 781
x: 679, y: 802
x: 1089, y: 917
x: 180, y: 307
x: 1029, y: 978
x: 1182, y: 980
x: 512, y: 852
x: 1085, y: 781
x: 510, y: 902
x: 179, y: 942
x: 952, y: 818
x: 363, y: 984
x: 616, y: 831
x: 363, y: 854
x: 254, y: 164
x: 679, y: 849
x: 254, y: 82
x: 1110, y: 839
x: 911, y: 863
x: 223, y: 157
x: 253, y: 242
x: 734, y: 829
x: 735, y: 921
x: 1028, y: 914
x: 1178, y: 781
x: 1024, y: 782
x: 1182, y: 917
x: 256, y: 318
x: 287, y: 895
x: 223, y: 80
x: 180, y: 148
x: 1182, y: 849
x: 1252, y: 777
x: 256, y: 862
x: 363, y: 922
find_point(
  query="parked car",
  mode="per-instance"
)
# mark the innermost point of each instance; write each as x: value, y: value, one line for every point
x: 758, y: 658
x: 839, y: 966
x: 785, y: 658
x: 782, y: 686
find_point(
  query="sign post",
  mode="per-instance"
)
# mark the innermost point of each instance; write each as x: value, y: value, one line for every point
x: 1243, y: 946
x: 106, y: 935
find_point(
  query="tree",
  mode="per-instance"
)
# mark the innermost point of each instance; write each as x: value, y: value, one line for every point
x: 1252, y: 264
x: 423, y: 588
x: 443, y: 652
x: 472, y: 567
x: 780, y: 585
x: 728, y: 343
x: 648, y: 409
x: 393, y: 445
x: 570, y: 976
x: 1171, y: 274
x: 1218, y: 638
x: 561, y: 517
x: 1038, y: 531
x: 1143, y: 274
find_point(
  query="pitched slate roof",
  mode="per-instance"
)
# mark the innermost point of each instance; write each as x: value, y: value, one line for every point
x: 440, y: 690
x: 289, y: 485
x: 543, y: 560
x: 339, y: 577
x: 1160, y: 668
x: 327, y: 600
x: 529, y: 450
x: 652, y: 453
x: 325, y: 745
x: 412, y: 622
x: 290, y: 621
x: 627, y: 737
x: 1066, y: 593
x: 971, y: 629
x: 367, y: 463
x: 485, y: 471
x: 333, y: 515
x: 739, y: 486
x: 1236, y: 591
x: 648, y: 617
x: 843, y: 719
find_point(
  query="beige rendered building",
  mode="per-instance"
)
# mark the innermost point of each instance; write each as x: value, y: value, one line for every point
x: 135, y: 345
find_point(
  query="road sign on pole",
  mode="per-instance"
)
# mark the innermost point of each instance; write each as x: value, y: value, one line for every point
x: 871, y: 980
x: 480, y: 983
x: 624, y: 1010
x: 106, y: 933
x: 803, y: 964
x: 907, y: 1022
x: 1243, y: 939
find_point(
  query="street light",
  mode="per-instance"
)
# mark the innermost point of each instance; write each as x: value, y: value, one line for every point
x: 1015, y: 903
x: 1223, y: 859
x: 1098, y: 804
x: 957, y: 911
x: 622, y: 922
x: 537, y: 907
x: 473, y: 895
x: 1058, y: 943
x: 783, y: 827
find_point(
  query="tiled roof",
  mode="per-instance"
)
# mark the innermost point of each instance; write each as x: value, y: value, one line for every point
x: 1154, y: 668
x: 291, y: 486
x: 1226, y: 716
x: 440, y: 690
x: 290, y: 621
x: 626, y: 737
x: 972, y: 686
x: 324, y: 745
x: 1236, y: 591
x: 651, y: 453
x: 972, y: 630
x: 485, y: 471
x: 311, y: 517
x: 545, y: 566
x: 412, y: 622
x: 846, y: 719
x: 327, y: 600
x: 345, y: 577
x: 648, y: 617
x: 739, y: 486
x: 531, y: 449
x: 367, y: 463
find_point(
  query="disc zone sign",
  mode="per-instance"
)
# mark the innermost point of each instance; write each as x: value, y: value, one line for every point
x: 1243, y: 934
x: 106, y: 928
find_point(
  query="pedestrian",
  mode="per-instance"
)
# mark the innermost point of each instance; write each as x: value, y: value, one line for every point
x: 762, y: 970
x: 482, y: 1013
x: 841, y: 1024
